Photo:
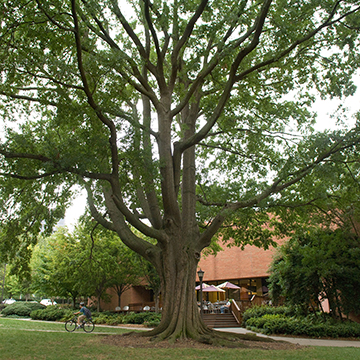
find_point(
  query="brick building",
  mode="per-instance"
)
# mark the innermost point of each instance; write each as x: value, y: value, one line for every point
x: 246, y: 268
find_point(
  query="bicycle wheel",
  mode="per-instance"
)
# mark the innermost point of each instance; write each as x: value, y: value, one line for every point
x: 88, y: 326
x: 70, y: 325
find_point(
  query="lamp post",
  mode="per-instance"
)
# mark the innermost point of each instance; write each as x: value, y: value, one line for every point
x: 201, y: 276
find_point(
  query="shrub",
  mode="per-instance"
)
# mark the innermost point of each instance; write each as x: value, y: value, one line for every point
x: 108, y: 319
x: 258, y: 311
x: 57, y: 313
x: 65, y: 306
x: 140, y: 318
x: 51, y: 313
x: 21, y: 308
x: 153, y: 321
x: 309, y: 326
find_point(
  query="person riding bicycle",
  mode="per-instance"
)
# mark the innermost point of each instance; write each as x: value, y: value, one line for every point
x: 85, y: 313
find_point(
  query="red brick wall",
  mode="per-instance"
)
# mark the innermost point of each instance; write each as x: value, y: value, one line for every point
x: 234, y: 263
x: 136, y: 294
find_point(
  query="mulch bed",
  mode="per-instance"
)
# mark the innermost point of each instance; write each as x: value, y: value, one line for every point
x: 136, y: 341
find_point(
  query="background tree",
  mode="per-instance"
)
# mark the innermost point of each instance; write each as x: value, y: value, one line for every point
x: 83, y: 264
x: 54, y: 266
x: 128, y: 271
x: 3, y: 281
x: 153, y: 282
x: 193, y: 115
x: 97, y: 262
x: 14, y: 286
x: 319, y: 265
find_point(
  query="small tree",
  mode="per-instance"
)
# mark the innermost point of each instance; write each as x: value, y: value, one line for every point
x: 319, y: 265
x: 54, y: 270
x: 153, y: 282
x: 128, y: 271
x: 104, y: 262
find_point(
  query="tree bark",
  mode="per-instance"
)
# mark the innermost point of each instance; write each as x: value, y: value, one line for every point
x: 180, y: 315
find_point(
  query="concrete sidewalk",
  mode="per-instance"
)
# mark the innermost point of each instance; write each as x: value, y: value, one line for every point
x: 300, y: 341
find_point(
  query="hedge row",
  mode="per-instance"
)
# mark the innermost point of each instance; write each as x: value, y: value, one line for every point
x: 63, y: 313
x: 21, y: 309
x: 147, y: 318
x: 281, y: 323
x: 258, y: 311
x: 52, y: 313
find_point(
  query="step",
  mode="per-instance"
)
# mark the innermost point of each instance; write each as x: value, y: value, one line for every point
x: 220, y: 320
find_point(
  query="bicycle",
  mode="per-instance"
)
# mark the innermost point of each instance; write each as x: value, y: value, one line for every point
x: 87, y: 325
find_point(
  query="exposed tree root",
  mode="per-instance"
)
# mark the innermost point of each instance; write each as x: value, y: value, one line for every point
x: 210, y: 337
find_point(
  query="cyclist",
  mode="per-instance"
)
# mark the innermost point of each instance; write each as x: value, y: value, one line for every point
x: 85, y: 313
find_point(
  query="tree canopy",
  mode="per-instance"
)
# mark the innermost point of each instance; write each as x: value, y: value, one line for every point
x: 180, y: 119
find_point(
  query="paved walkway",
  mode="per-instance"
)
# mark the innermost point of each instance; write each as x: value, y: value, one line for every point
x: 300, y: 341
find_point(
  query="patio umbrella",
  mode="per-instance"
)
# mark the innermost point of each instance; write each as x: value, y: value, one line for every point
x: 228, y: 285
x: 204, y: 286
x: 212, y: 288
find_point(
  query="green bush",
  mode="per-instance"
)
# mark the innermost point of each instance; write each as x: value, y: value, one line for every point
x: 258, y: 311
x: 51, y: 313
x: 310, y: 326
x: 153, y: 320
x: 139, y: 318
x: 21, y: 308
x: 65, y: 306
x: 58, y: 313
x: 148, y: 319
x: 108, y: 319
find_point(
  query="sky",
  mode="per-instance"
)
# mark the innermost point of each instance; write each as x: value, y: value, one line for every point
x: 325, y: 108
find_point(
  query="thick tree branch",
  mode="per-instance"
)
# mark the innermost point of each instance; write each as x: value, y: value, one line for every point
x: 91, y: 100
x: 298, y: 42
x: 184, y: 38
x: 133, y: 37
x: 259, y: 23
x: 153, y: 33
x: 118, y: 201
x: 165, y: 31
x: 95, y: 213
x: 188, y: 31
x: 142, y: 247
x: 11, y: 155
x: 242, y: 54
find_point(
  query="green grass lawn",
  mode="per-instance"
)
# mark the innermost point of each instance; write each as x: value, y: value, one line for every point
x: 40, y: 340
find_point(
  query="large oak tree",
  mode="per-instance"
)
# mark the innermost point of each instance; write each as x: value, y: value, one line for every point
x: 179, y: 118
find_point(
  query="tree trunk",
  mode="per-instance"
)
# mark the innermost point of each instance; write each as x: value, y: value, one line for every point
x: 74, y: 300
x: 180, y: 315
x: 157, y: 300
